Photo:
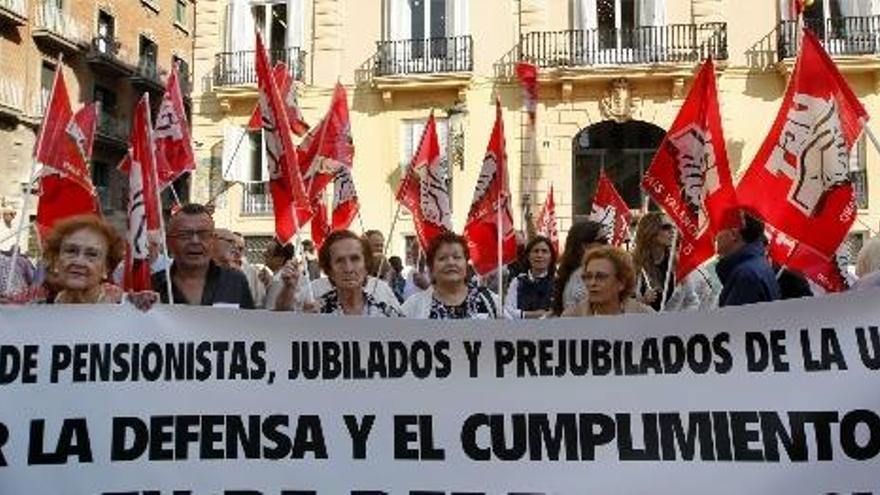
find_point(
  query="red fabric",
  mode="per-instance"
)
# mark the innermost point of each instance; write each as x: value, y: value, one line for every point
x: 328, y: 146
x: 799, y: 180
x: 54, y: 126
x: 143, y: 199
x: 547, y: 225
x: 423, y: 190
x: 285, y: 84
x: 285, y: 181
x: 491, y: 194
x: 320, y: 226
x: 345, y: 199
x: 611, y: 211
x: 527, y: 74
x: 827, y: 273
x: 75, y: 148
x: 690, y: 176
x: 60, y: 198
x: 174, y: 153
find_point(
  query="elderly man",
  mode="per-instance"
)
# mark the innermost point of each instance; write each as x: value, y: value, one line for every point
x: 195, y: 278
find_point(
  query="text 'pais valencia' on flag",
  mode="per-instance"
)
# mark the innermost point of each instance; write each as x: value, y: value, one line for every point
x: 491, y: 195
x: 423, y: 189
x: 328, y: 146
x: 289, y: 200
x: 143, y: 198
x: 547, y: 225
x: 174, y: 153
x: 690, y: 178
x: 610, y: 210
x: 799, y: 180
x: 527, y: 74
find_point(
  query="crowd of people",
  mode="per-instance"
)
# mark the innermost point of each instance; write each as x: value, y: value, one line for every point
x: 351, y: 275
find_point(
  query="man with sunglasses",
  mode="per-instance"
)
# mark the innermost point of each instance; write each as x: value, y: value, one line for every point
x: 195, y: 278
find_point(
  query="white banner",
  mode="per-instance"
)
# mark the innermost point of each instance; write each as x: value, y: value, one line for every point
x: 768, y: 399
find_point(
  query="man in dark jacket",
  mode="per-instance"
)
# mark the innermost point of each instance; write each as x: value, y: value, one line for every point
x: 743, y: 269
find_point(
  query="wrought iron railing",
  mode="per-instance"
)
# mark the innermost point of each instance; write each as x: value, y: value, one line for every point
x: 55, y: 20
x: 17, y: 7
x: 673, y: 43
x: 839, y: 35
x: 234, y: 68
x: 256, y: 200
x: 148, y: 69
x: 425, y: 56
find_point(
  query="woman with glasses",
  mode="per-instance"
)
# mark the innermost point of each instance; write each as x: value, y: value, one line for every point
x: 610, y: 279
x: 569, y: 288
x: 80, y: 254
x: 651, y: 256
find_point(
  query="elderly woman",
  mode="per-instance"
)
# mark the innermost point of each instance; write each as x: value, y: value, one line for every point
x: 347, y: 259
x: 450, y: 296
x: 569, y: 288
x: 610, y: 280
x: 81, y: 252
x: 530, y: 293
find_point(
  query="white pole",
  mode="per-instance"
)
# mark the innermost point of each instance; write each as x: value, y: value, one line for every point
x: 672, y: 257
x: 168, y: 285
x: 498, y: 229
x: 22, y: 224
x: 387, y: 242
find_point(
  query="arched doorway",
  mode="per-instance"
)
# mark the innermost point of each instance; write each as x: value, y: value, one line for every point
x: 624, y: 150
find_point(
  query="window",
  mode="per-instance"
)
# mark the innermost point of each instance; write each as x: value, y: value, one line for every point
x: 101, y: 181
x: 105, y: 42
x: 858, y: 172
x: 615, y: 20
x: 148, y: 53
x: 47, y: 78
x: 845, y: 26
x: 183, y: 75
x: 180, y: 12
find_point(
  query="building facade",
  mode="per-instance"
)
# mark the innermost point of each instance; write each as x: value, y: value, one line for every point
x: 110, y: 51
x: 613, y: 75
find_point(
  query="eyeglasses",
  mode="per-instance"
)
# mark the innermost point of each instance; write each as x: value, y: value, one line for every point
x: 73, y: 251
x: 598, y: 276
x: 188, y: 234
x: 667, y: 227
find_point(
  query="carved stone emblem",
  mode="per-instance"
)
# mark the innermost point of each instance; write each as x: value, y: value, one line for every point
x: 618, y: 104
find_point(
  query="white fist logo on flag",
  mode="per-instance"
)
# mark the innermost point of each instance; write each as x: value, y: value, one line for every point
x: 697, y: 171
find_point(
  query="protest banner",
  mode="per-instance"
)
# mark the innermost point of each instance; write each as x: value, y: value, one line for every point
x: 765, y: 399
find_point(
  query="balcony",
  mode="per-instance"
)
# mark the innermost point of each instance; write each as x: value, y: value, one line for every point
x: 57, y: 28
x: 424, y: 56
x: 852, y: 41
x: 674, y: 44
x: 239, y: 68
x: 105, y: 56
x: 11, y: 99
x: 13, y: 12
x: 112, y: 132
x: 255, y: 199
x: 147, y: 77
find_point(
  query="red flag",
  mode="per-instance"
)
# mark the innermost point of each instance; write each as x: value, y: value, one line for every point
x: 799, y: 180
x: 423, y: 190
x: 287, y: 87
x: 345, y: 199
x: 528, y: 80
x: 60, y: 198
x: 285, y: 181
x: 796, y: 8
x: 610, y: 210
x: 75, y: 147
x: 54, y: 126
x: 328, y: 146
x: 174, y: 153
x: 690, y: 176
x: 490, y: 195
x: 830, y: 274
x: 143, y: 198
x: 320, y: 226
x: 547, y: 225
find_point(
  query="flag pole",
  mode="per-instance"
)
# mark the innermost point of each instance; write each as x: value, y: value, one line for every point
x: 499, y: 234
x: 672, y: 250
x: 168, y: 285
